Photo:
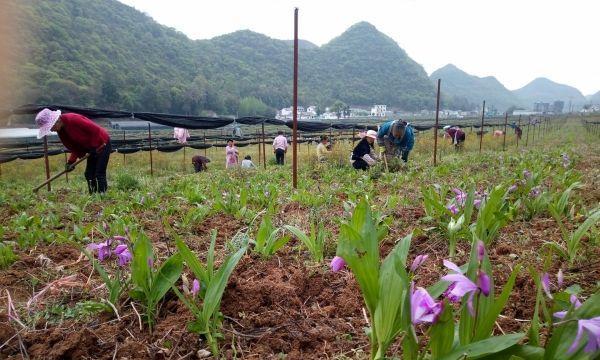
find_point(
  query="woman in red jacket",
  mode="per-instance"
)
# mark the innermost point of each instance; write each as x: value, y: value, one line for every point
x: 81, y: 136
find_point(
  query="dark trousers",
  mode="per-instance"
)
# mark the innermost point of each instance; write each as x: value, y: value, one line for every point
x: 360, y: 164
x: 95, y: 170
x: 405, y: 155
x: 279, y: 156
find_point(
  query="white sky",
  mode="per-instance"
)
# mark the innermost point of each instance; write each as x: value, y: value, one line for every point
x: 513, y: 40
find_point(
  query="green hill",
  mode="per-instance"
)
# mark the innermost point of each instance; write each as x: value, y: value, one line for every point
x: 594, y: 99
x: 106, y: 54
x: 544, y: 90
x: 462, y: 91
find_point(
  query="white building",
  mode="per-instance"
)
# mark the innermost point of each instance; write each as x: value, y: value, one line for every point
x: 379, y: 110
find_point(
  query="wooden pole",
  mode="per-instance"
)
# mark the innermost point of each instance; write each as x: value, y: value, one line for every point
x: 353, y: 136
x: 259, y: 152
x: 123, y: 146
x: 66, y: 173
x: 46, y: 161
x: 519, y: 126
x: 482, y: 117
x: 263, y: 147
x: 183, y: 157
x: 150, y: 148
x: 295, y: 103
x: 437, y: 122
x: 205, y: 143
x: 527, y: 137
x: 504, y: 138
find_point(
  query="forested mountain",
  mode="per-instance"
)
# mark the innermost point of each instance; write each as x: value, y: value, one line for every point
x: 106, y: 54
x: 544, y: 90
x: 462, y: 91
x: 594, y: 99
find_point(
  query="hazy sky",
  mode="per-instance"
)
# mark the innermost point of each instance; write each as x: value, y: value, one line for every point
x: 514, y: 40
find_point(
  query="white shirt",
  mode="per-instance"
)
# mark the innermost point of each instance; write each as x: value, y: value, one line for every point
x: 247, y: 164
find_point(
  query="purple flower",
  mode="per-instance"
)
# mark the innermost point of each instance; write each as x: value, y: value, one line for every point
x: 119, y: 238
x: 105, y: 227
x: 527, y: 174
x: 546, y: 284
x: 477, y: 203
x: 195, y: 287
x: 460, y: 197
x: 576, y: 304
x: 123, y: 254
x: 512, y: 188
x: 560, y: 277
x: 462, y: 285
x: 417, y: 262
x: 535, y: 192
x: 103, y: 249
x: 337, y: 264
x: 150, y: 261
x: 592, y: 327
x: 453, y: 209
x: 423, y: 309
x: 480, y: 250
x: 483, y: 282
x: 566, y: 160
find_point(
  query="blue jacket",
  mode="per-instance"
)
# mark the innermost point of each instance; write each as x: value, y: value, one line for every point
x: 408, y: 140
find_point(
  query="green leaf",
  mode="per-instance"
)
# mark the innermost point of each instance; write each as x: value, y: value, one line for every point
x: 484, y: 347
x: 165, y: 277
x: 442, y: 333
x: 525, y: 352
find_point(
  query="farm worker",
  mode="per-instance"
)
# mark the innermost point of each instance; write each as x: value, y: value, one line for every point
x: 81, y: 136
x: 456, y: 134
x: 200, y: 162
x: 181, y: 135
x: 247, y: 163
x: 322, y: 148
x: 397, y: 138
x: 363, y: 155
x: 231, y: 154
x: 280, y: 146
x: 518, y: 130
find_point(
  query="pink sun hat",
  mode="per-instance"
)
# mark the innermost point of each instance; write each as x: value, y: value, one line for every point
x: 45, y: 120
x: 372, y: 134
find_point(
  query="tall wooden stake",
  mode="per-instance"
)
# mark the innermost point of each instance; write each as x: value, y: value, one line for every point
x: 482, y: 117
x: 66, y: 173
x: 150, y: 148
x: 437, y: 122
x: 46, y: 160
x: 295, y: 101
x: 504, y: 138
x: 263, y: 147
x: 519, y: 126
x: 123, y: 146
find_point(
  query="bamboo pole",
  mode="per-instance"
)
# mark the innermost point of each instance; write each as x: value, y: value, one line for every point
x: 150, y: 148
x: 504, y: 138
x: 482, y: 117
x: 295, y: 103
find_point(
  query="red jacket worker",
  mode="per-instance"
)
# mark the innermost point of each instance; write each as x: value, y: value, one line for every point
x: 81, y: 136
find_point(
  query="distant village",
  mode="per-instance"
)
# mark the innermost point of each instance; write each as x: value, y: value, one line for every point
x: 381, y: 111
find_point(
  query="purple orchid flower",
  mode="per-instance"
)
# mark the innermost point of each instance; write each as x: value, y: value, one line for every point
x: 337, y: 264
x: 103, y: 249
x: 513, y: 188
x: 419, y: 260
x: 483, y: 283
x: 195, y: 287
x: 527, y: 174
x: 565, y: 160
x: 150, y: 261
x: 423, y: 309
x: 535, y: 192
x: 477, y: 203
x: 546, y: 284
x: 480, y: 250
x: 460, y: 197
x: 119, y: 238
x: 592, y: 327
x: 123, y: 254
x: 461, y: 285
x: 576, y: 304
x: 453, y: 209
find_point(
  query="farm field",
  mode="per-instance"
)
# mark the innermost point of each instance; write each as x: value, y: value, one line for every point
x: 523, y: 222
